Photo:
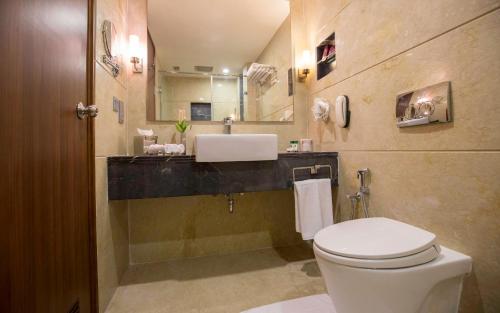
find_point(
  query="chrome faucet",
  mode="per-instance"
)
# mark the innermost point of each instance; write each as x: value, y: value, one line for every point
x: 228, y: 122
x: 362, y: 194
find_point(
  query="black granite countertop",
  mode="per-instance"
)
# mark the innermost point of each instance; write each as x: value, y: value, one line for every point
x: 141, y: 158
x: 139, y: 177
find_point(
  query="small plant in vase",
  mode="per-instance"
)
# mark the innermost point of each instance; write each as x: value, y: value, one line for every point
x: 182, y: 126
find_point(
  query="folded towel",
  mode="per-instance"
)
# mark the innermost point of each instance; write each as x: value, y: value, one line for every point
x: 313, y: 206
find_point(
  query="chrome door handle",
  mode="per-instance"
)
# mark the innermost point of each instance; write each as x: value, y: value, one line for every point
x: 84, y: 111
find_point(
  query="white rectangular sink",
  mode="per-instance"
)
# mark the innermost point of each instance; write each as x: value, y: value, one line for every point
x: 236, y: 147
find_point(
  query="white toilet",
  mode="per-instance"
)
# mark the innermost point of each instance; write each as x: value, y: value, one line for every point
x: 379, y: 265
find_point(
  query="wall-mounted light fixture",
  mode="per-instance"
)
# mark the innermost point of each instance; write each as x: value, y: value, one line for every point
x: 135, y: 53
x: 303, y: 65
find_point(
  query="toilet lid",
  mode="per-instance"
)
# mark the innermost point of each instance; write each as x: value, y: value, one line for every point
x: 374, y: 238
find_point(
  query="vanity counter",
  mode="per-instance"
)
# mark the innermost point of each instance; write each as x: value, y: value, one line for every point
x: 141, y: 177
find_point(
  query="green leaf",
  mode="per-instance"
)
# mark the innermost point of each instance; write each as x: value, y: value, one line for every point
x: 182, y: 126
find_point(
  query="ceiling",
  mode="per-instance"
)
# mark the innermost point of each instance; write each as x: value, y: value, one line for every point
x: 218, y: 33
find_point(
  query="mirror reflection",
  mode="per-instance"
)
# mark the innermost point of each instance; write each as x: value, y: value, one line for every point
x: 209, y: 60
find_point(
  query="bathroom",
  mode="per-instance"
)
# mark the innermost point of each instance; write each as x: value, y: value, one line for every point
x: 181, y: 182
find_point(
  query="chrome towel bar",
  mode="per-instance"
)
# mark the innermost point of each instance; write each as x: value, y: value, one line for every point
x: 312, y: 169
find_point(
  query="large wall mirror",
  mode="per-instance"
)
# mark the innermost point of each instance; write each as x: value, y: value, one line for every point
x: 211, y: 59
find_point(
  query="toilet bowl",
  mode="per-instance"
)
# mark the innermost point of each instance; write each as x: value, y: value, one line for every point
x: 379, y: 265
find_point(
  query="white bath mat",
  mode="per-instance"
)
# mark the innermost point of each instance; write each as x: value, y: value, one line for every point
x: 312, y: 304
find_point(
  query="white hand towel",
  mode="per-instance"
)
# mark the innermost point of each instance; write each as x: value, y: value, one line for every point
x: 313, y: 206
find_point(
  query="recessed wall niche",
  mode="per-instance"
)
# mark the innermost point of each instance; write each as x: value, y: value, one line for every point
x: 325, y: 57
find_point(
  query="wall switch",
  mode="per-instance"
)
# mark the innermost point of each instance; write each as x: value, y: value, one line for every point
x: 121, y: 112
x: 119, y: 106
x: 116, y: 104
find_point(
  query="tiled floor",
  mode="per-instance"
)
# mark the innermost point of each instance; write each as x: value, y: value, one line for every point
x: 219, y: 284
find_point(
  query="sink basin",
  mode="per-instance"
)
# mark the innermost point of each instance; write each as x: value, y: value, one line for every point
x: 236, y: 147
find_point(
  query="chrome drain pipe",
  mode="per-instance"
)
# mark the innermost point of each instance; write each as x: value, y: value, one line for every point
x: 230, y: 202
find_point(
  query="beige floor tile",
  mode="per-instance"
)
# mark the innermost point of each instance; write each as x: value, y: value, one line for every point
x: 219, y: 284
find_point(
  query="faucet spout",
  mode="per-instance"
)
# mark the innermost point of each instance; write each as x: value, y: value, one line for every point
x: 228, y: 122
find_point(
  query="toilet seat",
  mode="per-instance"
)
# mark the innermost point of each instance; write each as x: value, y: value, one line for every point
x: 376, y: 243
x: 402, y: 262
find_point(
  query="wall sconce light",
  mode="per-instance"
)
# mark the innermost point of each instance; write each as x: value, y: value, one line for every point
x: 135, y: 53
x: 303, y: 66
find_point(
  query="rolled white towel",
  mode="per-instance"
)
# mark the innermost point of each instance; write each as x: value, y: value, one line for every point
x: 155, y: 149
x: 181, y: 148
x: 252, y: 69
x: 174, y: 149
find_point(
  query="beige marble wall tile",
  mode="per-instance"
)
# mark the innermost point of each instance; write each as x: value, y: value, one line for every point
x: 170, y: 228
x: 187, y: 89
x: 178, y: 93
x: 320, y: 13
x: 225, y: 90
x: 467, y: 56
x: 110, y: 139
x: 112, y: 237
x: 371, y: 31
x: 280, y: 113
x: 455, y: 195
x: 225, y: 98
x: 110, y: 136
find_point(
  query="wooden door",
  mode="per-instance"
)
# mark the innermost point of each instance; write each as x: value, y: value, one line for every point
x: 47, y: 242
